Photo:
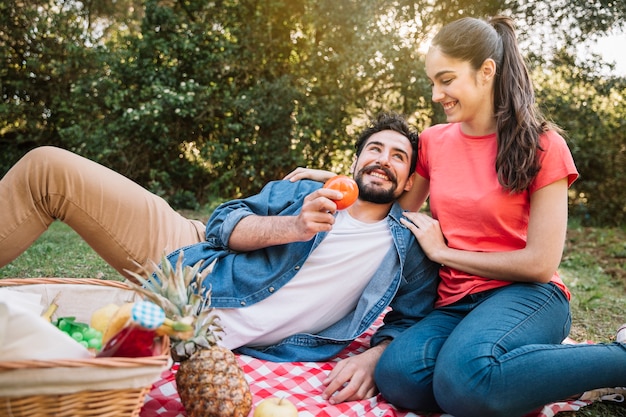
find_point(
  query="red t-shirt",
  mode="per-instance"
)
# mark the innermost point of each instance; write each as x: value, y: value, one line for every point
x: 474, y: 211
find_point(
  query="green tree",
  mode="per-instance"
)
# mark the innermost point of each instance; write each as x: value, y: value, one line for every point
x: 197, y: 99
x: 37, y: 68
x: 590, y: 108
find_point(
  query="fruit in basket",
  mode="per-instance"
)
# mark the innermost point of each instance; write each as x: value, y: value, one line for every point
x: 137, y: 337
x: 209, y: 380
x: 101, y: 318
x: 118, y: 320
x: 81, y: 332
x: 52, y: 308
x: 275, y: 407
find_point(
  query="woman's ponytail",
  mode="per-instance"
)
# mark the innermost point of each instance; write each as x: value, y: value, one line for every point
x: 518, y: 120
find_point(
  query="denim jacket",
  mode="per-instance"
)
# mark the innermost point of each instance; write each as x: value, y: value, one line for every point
x: 406, y: 280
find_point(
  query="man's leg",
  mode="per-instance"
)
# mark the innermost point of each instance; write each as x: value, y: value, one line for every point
x: 120, y: 220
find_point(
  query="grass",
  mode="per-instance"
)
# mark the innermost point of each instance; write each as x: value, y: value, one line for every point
x: 593, y: 267
x: 59, y: 252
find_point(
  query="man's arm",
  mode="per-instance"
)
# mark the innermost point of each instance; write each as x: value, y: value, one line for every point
x: 256, y: 232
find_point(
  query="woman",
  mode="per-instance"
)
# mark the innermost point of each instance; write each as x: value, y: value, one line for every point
x: 497, y: 175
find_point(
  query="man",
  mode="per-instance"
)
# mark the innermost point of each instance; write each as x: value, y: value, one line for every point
x: 295, y: 280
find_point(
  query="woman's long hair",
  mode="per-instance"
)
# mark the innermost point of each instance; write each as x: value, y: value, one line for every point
x: 519, y: 123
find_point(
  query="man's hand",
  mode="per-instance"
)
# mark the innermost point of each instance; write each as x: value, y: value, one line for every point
x: 352, y: 379
x: 317, y: 213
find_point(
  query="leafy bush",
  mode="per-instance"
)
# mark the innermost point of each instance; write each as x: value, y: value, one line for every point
x: 196, y: 99
x: 591, y: 109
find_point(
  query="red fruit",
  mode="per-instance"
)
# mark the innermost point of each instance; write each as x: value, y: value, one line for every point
x: 347, y: 186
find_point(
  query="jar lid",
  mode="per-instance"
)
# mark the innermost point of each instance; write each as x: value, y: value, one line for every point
x: 148, y: 315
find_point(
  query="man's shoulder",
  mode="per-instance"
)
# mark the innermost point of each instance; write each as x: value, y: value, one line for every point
x: 283, y: 193
x: 396, y: 213
x: 295, y: 185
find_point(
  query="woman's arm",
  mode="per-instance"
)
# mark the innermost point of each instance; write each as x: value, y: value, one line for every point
x: 309, y: 174
x: 411, y: 200
x: 537, y: 262
x: 414, y: 199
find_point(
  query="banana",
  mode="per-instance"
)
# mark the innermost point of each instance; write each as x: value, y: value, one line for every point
x: 101, y: 318
x: 47, y: 315
x: 118, y: 321
x: 178, y: 329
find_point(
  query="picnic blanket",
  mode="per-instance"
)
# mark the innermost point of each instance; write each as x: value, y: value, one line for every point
x: 301, y: 383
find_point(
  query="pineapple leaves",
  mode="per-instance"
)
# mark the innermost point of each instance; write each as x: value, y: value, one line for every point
x: 178, y: 290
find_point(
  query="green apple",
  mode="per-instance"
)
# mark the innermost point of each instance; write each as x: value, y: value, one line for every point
x: 275, y: 407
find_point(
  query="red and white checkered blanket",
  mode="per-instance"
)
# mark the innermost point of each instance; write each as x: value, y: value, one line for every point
x: 301, y: 383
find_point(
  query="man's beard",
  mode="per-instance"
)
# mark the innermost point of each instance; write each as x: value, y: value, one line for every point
x: 373, y: 194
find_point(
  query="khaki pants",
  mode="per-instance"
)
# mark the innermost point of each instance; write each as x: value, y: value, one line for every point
x: 120, y: 220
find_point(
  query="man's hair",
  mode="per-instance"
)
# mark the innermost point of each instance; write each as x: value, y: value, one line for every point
x: 390, y: 121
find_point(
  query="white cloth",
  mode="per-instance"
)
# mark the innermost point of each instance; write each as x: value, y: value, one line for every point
x: 24, y: 334
x: 327, y: 287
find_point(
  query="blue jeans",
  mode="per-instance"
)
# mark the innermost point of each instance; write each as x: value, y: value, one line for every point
x: 496, y: 353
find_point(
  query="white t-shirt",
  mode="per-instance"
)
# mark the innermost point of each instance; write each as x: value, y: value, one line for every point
x: 327, y: 287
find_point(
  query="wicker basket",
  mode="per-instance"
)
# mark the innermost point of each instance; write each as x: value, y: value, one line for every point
x: 108, y: 386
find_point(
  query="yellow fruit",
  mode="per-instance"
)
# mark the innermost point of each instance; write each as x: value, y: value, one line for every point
x: 118, y: 321
x: 101, y: 317
x: 209, y: 380
x: 275, y: 407
x: 211, y: 383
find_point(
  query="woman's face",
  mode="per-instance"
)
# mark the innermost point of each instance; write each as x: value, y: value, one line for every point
x: 465, y: 93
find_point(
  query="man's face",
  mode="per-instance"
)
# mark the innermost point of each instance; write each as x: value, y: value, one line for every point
x: 382, y: 169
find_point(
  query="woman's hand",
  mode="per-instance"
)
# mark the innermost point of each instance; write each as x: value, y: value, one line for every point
x: 309, y: 174
x: 428, y: 233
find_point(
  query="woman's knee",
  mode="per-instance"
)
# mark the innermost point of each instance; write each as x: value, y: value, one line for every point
x: 388, y: 372
x: 405, y: 381
x: 463, y: 401
x: 464, y: 386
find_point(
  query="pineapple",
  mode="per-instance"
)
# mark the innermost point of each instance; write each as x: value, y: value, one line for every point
x: 209, y: 380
